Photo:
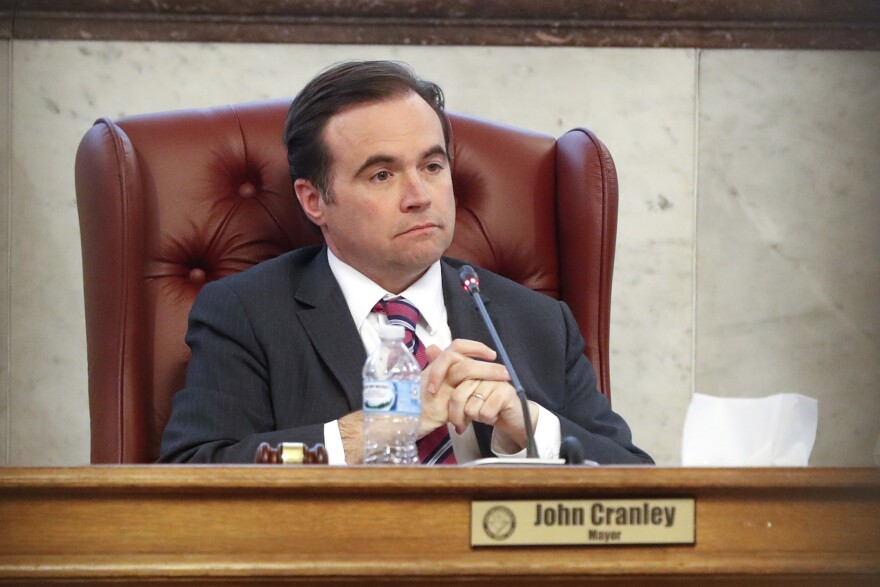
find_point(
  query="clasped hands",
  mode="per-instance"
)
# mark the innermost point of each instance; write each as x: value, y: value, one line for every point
x: 461, y: 385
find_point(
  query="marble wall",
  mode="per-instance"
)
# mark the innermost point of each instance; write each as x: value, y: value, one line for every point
x: 5, y: 155
x: 788, y: 225
x: 714, y: 151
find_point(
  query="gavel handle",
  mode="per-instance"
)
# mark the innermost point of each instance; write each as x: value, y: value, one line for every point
x: 290, y: 453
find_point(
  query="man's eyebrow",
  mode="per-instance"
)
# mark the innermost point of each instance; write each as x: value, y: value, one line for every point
x: 435, y: 150
x: 385, y: 159
x: 374, y: 160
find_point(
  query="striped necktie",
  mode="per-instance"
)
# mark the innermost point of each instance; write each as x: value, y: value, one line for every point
x: 436, y: 447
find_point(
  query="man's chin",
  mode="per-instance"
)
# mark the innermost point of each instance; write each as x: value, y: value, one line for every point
x: 419, y: 260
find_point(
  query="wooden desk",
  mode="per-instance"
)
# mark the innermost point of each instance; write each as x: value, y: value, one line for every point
x: 178, y: 524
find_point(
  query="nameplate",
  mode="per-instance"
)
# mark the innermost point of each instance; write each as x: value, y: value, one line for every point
x: 592, y: 522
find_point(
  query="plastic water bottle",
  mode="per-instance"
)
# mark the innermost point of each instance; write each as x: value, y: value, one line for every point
x: 392, y: 401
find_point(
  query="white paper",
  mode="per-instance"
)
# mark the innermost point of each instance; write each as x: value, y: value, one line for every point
x: 774, y: 431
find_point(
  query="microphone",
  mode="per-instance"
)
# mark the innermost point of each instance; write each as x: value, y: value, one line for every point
x: 471, y: 284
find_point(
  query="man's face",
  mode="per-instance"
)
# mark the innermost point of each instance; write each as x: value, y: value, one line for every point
x: 392, y: 211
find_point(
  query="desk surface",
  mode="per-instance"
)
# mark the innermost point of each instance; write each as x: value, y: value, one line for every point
x: 178, y: 524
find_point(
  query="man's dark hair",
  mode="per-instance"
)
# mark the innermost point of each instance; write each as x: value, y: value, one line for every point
x: 337, y: 87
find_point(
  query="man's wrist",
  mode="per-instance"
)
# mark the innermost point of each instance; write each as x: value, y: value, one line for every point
x: 506, y: 444
x: 517, y: 436
x: 351, y: 429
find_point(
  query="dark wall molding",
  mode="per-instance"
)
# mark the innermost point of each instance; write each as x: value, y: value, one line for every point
x: 763, y: 24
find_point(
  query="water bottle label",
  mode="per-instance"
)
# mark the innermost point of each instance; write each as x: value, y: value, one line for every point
x: 393, y: 397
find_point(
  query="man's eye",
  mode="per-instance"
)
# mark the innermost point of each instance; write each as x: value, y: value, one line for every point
x: 434, y: 167
x: 382, y: 176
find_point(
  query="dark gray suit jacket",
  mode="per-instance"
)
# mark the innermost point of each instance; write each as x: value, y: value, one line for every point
x: 275, y: 355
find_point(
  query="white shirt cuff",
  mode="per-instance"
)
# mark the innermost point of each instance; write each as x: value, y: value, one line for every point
x: 333, y: 444
x: 464, y: 445
x: 548, y: 437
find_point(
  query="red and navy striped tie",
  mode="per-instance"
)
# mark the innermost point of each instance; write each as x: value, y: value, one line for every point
x: 436, y: 447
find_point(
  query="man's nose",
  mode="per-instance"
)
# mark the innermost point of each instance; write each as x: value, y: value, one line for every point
x: 415, y: 193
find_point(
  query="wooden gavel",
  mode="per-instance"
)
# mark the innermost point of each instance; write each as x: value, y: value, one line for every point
x: 290, y: 453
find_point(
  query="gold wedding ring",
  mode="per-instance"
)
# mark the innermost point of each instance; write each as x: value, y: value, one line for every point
x: 479, y: 395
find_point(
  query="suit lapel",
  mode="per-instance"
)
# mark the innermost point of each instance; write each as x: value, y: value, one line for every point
x: 461, y: 311
x: 327, y: 321
x: 465, y: 322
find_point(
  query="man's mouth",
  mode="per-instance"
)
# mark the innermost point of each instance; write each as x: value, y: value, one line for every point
x: 419, y: 228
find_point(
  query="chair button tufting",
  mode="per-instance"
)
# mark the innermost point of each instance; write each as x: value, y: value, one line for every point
x: 247, y: 190
x: 197, y: 276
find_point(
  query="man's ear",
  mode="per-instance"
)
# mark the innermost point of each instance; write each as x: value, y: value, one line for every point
x: 310, y: 199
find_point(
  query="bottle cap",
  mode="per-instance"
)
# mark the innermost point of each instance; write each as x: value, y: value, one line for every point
x: 391, y: 332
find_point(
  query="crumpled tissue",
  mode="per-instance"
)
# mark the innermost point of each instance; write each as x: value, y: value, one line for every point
x: 774, y: 431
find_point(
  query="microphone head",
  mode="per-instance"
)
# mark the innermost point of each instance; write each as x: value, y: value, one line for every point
x: 572, y: 451
x: 469, y: 280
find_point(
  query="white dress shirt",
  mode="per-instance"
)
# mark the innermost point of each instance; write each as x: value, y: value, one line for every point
x: 426, y: 294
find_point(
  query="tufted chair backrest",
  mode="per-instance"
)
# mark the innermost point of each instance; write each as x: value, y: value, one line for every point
x: 172, y: 200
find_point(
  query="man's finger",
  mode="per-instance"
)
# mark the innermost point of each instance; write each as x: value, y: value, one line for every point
x: 457, y: 401
x: 459, y: 350
x: 472, y: 369
x: 433, y: 352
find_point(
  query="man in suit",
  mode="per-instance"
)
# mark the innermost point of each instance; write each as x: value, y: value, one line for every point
x: 278, y: 350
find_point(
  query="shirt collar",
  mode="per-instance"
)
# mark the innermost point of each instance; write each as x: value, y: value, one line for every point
x: 361, y: 293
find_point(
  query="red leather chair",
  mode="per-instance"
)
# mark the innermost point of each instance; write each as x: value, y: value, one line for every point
x: 169, y: 201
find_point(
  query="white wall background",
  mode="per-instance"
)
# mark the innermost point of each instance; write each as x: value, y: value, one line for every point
x: 748, y: 258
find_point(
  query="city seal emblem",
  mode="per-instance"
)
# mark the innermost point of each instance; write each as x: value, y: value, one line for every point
x: 499, y: 523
